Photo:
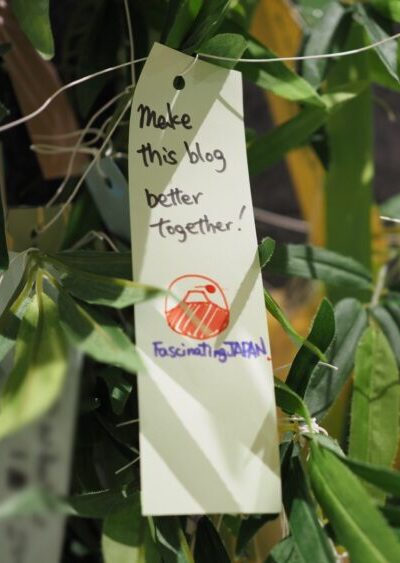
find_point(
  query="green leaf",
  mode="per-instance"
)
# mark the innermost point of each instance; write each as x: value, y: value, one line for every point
x: 112, y: 264
x: 209, y: 547
x: 388, y: 8
x: 391, y: 207
x: 349, y: 180
x: 181, y: 17
x: 317, y: 263
x: 389, y: 327
x: 320, y: 42
x: 289, y: 401
x: 171, y: 540
x: 126, y: 537
x: 274, y: 77
x: 265, y: 150
x: 119, y: 387
x: 39, y: 369
x: 103, y: 290
x: 386, y: 52
x: 285, y: 552
x: 357, y: 523
x: 375, y: 402
x: 230, y: 45
x: 387, y: 480
x: 97, y: 335
x: 265, y: 251
x: 33, y: 17
x: 305, y: 528
x: 321, y: 335
x: 326, y: 384
x: 36, y: 501
x: 273, y: 308
x: 15, y: 286
x: 207, y: 23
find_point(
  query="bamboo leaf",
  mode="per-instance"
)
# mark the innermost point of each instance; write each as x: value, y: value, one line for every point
x: 387, y: 480
x: 391, y: 206
x: 320, y: 41
x: 350, y: 173
x: 230, y: 45
x: 274, y: 77
x: 112, y: 264
x: 207, y: 23
x: 33, y: 17
x: 325, y: 384
x: 40, y: 365
x: 97, y: 335
x: 35, y: 501
x: 289, y: 401
x: 103, y: 290
x: 305, y: 528
x: 321, y: 335
x: 119, y: 387
x: 273, y: 308
x: 317, y: 263
x: 182, y: 15
x: 265, y: 150
x: 265, y: 251
x: 209, y: 547
x: 285, y: 552
x: 389, y: 327
x: 388, y: 8
x: 124, y: 536
x: 387, y: 52
x: 356, y: 521
x: 375, y: 401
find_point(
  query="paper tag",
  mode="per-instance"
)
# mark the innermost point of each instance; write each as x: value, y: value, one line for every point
x: 208, y: 434
x: 109, y: 189
x: 39, y: 455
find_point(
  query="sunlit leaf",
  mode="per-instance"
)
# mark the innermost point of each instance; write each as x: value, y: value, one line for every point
x: 325, y: 384
x: 375, y: 402
x: 97, y: 335
x: 40, y: 366
x: 357, y: 523
x: 321, y: 335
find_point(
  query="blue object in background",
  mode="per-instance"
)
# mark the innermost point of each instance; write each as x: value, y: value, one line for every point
x: 109, y: 189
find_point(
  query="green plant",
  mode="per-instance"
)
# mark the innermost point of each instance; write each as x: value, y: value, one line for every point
x: 336, y: 496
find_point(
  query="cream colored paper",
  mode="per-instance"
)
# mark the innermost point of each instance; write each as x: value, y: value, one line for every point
x: 207, y: 412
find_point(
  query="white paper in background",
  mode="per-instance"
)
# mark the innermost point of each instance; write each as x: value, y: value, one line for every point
x: 39, y: 455
x: 207, y: 412
x: 109, y: 190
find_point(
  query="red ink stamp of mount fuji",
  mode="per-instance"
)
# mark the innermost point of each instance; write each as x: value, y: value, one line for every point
x: 196, y: 307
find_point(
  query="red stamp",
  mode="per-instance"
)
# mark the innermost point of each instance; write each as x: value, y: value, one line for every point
x: 202, y: 310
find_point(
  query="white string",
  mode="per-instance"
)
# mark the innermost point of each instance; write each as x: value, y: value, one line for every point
x: 49, y: 100
x: 307, y: 57
x: 392, y: 219
x: 77, y: 146
x: 40, y: 109
x: 84, y: 175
